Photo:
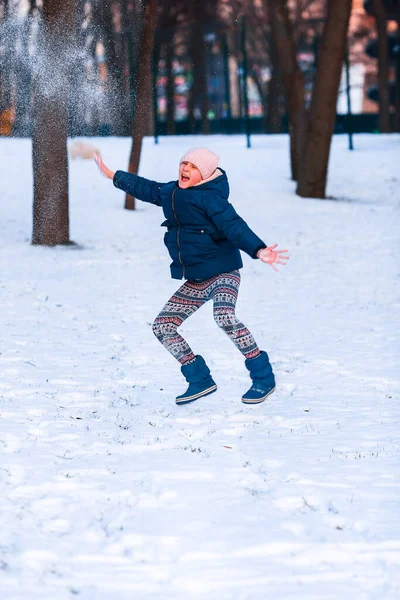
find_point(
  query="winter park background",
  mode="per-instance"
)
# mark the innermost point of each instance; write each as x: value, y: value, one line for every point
x: 108, y: 490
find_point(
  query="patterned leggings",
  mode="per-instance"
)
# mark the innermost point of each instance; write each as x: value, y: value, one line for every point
x: 223, y: 290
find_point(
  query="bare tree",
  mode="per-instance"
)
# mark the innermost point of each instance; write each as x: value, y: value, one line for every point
x: 143, y: 91
x: 170, y: 87
x: 261, y: 52
x: 314, y: 169
x: 198, y: 97
x: 285, y: 44
x: 170, y: 12
x: 106, y: 13
x: 397, y: 103
x: 49, y: 140
x: 5, y: 70
x: 273, y: 112
x: 383, y: 66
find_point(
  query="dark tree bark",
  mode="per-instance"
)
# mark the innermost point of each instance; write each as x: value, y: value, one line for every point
x: 198, y: 93
x: 198, y: 97
x: 383, y: 66
x: 5, y: 78
x: 49, y: 140
x: 103, y: 16
x: 397, y: 103
x: 263, y: 93
x: 273, y: 112
x: 170, y: 88
x: 169, y: 13
x: 143, y: 91
x: 314, y: 168
x: 292, y: 79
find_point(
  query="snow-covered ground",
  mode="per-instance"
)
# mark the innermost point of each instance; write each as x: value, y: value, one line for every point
x: 108, y: 490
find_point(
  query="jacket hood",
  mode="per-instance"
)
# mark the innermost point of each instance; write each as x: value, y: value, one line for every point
x: 218, y: 182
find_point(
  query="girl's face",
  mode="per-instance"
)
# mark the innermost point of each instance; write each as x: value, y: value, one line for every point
x: 189, y: 175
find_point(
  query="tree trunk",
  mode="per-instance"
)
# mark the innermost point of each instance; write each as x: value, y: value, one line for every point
x: 397, y: 104
x: 103, y: 14
x: 199, y: 98
x: 8, y: 58
x: 383, y: 66
x: 274, y: 113
x: 262, y: 91
x: 314, y: 168
x: 142, y: 101
x: 234, y: 86
x: 50, y: 124
x: 273, y: 116
x: 191, y: 101
x: 284, y: 41
x: 203, y: 89
x: 199, y: 92
x: 22, y: 79
x: 170, y: 87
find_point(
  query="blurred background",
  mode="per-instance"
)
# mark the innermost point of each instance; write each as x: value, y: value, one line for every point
x: 211, y: 60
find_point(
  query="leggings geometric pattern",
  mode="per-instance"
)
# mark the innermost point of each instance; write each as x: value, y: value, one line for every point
x: 223, y: 290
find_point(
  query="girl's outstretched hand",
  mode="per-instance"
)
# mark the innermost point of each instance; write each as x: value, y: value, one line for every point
x: 273, y: 257
x: 102, y: 167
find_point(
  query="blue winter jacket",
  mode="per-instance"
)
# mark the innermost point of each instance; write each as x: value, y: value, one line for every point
x: 204, y: 232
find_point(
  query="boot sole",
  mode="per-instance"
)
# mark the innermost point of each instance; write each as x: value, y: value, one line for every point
x: 196, y: 396
x: 259, y: 400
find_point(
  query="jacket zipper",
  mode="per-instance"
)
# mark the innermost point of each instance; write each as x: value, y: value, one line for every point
x: 178, y: 232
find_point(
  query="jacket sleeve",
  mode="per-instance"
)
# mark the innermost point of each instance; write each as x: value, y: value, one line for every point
x: 232, y: 226
x: 139, y: 187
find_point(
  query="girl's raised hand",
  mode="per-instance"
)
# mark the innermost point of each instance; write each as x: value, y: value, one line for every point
x: 273, y: 257
x: 102, y: 167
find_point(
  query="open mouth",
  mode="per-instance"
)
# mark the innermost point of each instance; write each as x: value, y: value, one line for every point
x: 185, y: 178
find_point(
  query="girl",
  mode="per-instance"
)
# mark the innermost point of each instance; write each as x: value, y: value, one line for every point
x: 204, y: 237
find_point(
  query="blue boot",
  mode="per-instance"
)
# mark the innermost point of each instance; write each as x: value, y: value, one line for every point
x: 200, y: 382
x: 262, y: 377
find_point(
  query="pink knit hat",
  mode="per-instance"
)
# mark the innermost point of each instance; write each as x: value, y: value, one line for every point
x: 205, y: 160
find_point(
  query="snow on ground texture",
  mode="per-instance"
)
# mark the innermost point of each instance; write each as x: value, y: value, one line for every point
x: 110, y: 491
